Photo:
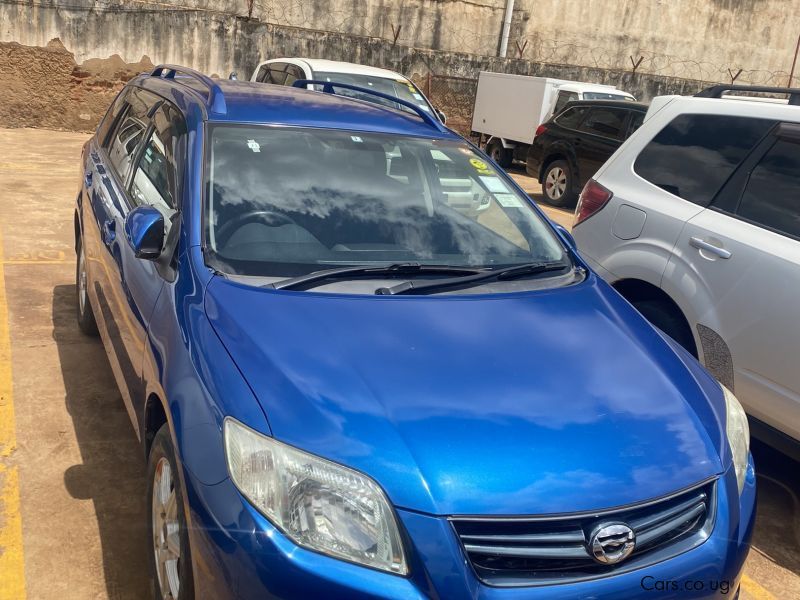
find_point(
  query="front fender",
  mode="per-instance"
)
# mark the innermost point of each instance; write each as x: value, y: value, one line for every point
x: 186, y: 366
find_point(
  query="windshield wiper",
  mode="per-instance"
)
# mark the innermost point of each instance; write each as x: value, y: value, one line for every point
x: 310, y: 280
x: 504, y: 274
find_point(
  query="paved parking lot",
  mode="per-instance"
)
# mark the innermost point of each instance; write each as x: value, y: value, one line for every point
x: 71, y: 472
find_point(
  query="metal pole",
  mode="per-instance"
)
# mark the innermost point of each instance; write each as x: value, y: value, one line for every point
x: 506, y: 28
x: 794, y: 62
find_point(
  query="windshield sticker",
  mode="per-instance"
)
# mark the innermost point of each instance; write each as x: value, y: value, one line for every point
x: 356, y: 139
x: 254, y: 145
x: 508, y: 200
x: 494, y: 184
x: 481, y: 167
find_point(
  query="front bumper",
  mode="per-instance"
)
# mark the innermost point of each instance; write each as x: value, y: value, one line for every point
x: 237, y: 553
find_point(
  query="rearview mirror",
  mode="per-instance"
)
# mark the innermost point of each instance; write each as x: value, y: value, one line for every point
x: 567, y: 235
x: 144, y: 228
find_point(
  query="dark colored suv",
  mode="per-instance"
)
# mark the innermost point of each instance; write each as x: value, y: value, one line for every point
x: 569, y: 148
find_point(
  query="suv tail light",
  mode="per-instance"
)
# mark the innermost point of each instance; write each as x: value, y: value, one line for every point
x: 539, y: 131
x: 593, y: 197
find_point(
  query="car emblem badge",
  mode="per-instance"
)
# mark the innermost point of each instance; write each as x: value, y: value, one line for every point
x: 611, y: 543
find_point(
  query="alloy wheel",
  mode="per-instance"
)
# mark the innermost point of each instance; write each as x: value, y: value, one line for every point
x: 81, y: 281
x: 555, y: 183
x: 166, y: 531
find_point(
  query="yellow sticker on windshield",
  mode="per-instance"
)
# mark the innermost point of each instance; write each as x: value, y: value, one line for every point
x: 481, y: 167
x: 478, y: 164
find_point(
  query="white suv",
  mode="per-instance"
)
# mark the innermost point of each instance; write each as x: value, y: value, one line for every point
x: 285, y: 71
x: 696, y: 221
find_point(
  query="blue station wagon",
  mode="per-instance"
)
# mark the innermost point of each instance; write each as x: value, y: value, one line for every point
x: 363, y: 364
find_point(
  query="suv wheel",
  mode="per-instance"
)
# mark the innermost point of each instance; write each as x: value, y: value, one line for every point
x: 171, y: 562
x: 558, y: 185
x: 502, y: 156
x: 86, y: 320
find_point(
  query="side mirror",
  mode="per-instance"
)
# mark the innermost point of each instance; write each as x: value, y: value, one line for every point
x: 233, y: 76
x: 441, y: 115
x: 565, y: 233
x: 144, y: 228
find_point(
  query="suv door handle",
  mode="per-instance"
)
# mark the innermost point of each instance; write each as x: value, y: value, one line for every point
x: 701, y: 244
x: 109, y: 231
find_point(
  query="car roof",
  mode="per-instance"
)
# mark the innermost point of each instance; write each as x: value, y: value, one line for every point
x: 256, y: 103
x: 742, y: 107
x: 336, y: 66
x: 640, y: 106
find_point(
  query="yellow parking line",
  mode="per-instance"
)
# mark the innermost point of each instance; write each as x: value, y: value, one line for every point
x: 755, y: 589
x: 12, y: 566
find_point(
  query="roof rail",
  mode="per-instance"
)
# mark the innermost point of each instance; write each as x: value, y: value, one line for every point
x: 328, y: 88
x: 716, y: 91
x: 215, y: 102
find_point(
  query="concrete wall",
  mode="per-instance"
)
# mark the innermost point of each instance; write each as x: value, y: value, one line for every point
x: 216, y: 42
x: 692, y: 39
x: 696, y: 39
x: 51, y: 89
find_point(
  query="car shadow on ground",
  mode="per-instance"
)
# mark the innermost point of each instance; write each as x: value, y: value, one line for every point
x: 112, y: 474
x: 777, y: 531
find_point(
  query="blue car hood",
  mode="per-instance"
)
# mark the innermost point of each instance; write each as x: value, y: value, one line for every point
x: 542, y: 402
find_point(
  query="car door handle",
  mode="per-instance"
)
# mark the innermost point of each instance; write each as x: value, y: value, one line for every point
x: 701, y: 244
x: 109, y: 231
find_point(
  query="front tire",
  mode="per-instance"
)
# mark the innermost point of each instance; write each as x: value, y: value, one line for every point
x: 171, y: 564
x: 85, y: 315
x: 558, y: 184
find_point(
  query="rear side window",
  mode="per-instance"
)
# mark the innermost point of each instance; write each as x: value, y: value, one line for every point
x: 637, y: 118
x: 694, y: 155
x: 772, y: 195
x: 572, y: 117
x: 263, y: 74
x: 563, y: 98
x: 107, y: 124
x: 607, y: 122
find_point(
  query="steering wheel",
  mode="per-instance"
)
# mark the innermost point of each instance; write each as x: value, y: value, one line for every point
x: 267, y: 217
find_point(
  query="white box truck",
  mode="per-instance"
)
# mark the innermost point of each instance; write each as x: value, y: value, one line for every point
x: 509, y: 108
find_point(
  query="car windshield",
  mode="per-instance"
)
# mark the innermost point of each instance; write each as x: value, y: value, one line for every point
x: 289, y: 201
x: 605, y: 96
x: 399, y: 88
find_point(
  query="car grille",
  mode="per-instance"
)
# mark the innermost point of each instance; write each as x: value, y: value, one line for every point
x: 527, y: 551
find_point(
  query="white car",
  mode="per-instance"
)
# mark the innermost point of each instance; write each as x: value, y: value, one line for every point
x: 285, y: 71
x: 696, y: 221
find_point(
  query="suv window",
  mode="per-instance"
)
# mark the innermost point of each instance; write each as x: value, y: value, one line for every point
x: 263, y: 74
x: 277, y: 73
x: 563, y: 98
x: 637, y: 118
x: 155, y: 181
x: 108, y: 122
x: 607, y: 122
x: 571, y: 117
x: 293, y: 73
x: 694, y: 155
x: 131, y: 128
x: 772, y: 195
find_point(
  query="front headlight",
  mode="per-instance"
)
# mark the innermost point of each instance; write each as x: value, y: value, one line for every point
x: 738, y: 432
x: 317, y: 503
